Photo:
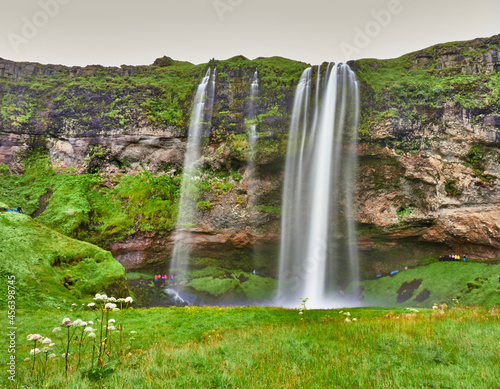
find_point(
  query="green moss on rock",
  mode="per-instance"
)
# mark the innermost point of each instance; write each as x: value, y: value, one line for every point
x: 42, y: 260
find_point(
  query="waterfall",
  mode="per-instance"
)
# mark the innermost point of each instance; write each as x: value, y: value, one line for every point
x: 318, y: 253
x: 201, y: 117
x: 252, y: 135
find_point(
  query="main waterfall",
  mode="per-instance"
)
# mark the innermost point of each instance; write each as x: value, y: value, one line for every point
x: 201, y: 117
x: 318, y: 255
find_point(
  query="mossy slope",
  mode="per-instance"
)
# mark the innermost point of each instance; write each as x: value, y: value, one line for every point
x: 41, y: 259
x: 467, y: 283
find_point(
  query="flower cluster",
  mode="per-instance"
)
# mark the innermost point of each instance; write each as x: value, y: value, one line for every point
x: 79, y: 335
x: 36, y: 350
x: 110, y: 302
x: 302, y: 307
x: 348, y: 315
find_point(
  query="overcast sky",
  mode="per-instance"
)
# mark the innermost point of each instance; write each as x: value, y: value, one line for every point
x: 115, y: 32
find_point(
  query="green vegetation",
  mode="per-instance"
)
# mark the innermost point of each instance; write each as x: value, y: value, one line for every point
x: 476, y: 159
x: 42, y: 260
x: 408, y: 93
x: 203, y: 205
x: 83, y: 207
x: 215, y: 283
x: 101, y: 100
x: 259, y: 347
x: 403, y: 211
x: 470, y: 283
x: 451, y: 189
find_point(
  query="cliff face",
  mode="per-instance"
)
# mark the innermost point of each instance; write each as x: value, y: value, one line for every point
x: 429, y: 149
x: 430, y: 157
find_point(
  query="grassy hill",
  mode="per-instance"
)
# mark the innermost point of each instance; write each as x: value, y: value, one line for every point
x: 41, y: 259
x: 469, y: 283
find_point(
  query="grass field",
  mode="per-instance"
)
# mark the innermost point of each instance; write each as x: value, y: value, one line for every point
x: 467, y: 283
x: 258, y: 347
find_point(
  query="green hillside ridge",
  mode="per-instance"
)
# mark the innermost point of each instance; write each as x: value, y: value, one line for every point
x: 468, y: 284
x: 41, y: 260
x: 97, y: 99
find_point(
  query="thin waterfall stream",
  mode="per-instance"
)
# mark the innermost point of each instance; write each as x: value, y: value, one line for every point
x: 201, y: 117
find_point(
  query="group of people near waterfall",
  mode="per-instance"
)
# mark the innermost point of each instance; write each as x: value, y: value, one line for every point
x: 164, y: 279
x: 452, y: 258
x: 5, y: 209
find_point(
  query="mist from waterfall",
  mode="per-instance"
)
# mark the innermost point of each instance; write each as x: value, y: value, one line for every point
x: 318, y: 253
x: 201, y: 117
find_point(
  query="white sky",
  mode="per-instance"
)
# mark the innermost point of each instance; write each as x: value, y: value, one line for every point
x: 115, y: 32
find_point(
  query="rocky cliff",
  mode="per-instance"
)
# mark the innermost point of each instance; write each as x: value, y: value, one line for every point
x: 429, y: 154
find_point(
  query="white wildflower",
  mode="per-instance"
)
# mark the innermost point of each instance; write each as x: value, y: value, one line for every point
x: 347, y: 320
x: 52, y: 345
x: 34, y: 337
x: 91, y: 335
x: 100, y: 297
x: 111, y: 320
x: 35, y: 351
x: 133, y: 332
x: 88, y: 329
x: 67, y: 322
x: 57, y: 329
x: 64, y: 355
x: 46, y: 340
x: 52, y: 355
x: 90, y: 322
x: 45, y: 349
x: 354, y: 319
x: 91, y: 305
x: 111, y: 328
x: 110, y: 306
x: 129, y: 300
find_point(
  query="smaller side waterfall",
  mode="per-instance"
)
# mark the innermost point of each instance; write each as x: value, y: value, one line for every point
x: 318, y: 255
x: 252, y: 135
x: 201, y: 117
